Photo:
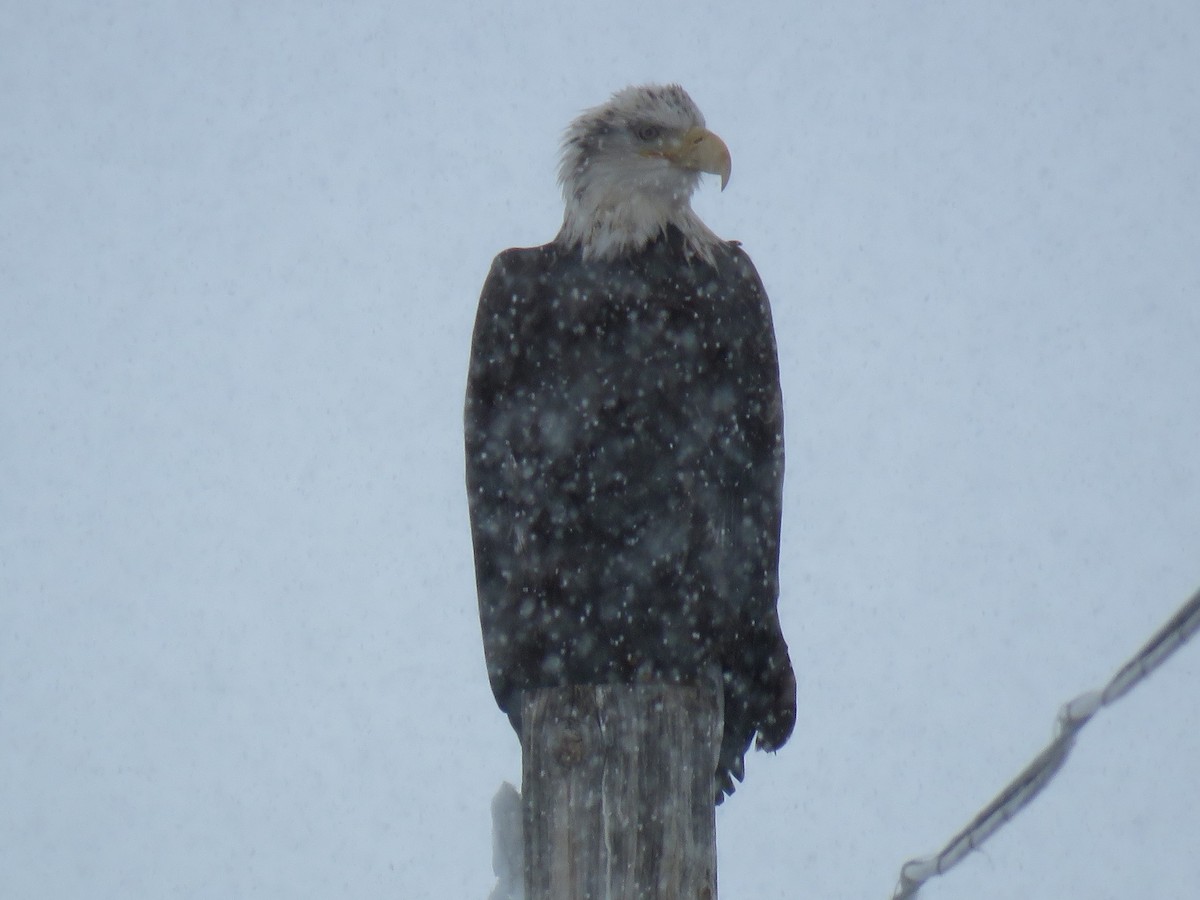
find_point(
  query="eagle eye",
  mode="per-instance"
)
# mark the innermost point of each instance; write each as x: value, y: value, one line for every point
x: 649, y: 133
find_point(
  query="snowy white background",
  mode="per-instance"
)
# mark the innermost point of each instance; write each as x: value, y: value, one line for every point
x: 240, y: 249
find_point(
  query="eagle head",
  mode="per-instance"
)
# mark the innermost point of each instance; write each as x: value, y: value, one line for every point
x: 629, y: 168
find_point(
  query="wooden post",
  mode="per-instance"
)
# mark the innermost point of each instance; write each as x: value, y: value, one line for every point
x: 617, y: 791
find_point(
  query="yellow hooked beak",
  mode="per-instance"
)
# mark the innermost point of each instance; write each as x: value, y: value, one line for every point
x: 700, y: 151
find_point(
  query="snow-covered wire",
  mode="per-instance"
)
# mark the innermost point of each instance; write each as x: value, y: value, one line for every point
x: 1071, y: 719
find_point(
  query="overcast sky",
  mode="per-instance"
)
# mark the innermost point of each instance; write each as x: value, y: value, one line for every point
x: 240, y: 251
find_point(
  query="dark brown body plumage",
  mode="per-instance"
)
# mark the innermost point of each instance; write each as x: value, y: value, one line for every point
x: 624, y: 446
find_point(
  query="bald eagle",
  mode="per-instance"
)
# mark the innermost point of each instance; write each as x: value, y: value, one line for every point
x: 624, y: 437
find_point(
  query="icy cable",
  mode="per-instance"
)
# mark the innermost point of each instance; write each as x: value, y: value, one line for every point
x: 1071, y: 719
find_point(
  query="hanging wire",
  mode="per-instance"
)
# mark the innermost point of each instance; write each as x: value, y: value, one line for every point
x: 1071, y: 719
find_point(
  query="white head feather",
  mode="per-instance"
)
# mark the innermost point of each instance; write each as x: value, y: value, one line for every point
x: 626, y: 176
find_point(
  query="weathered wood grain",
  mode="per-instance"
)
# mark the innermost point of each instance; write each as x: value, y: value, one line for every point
x: 617, y: 788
